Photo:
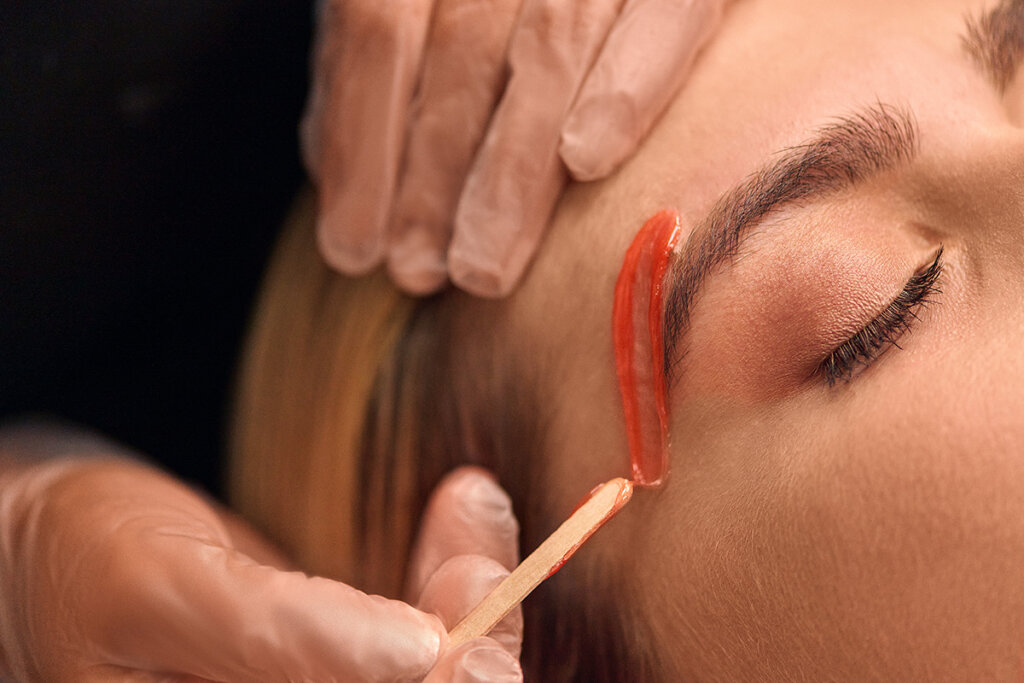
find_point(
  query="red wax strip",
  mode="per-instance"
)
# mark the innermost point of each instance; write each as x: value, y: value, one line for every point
x: 665, y: 244
x: 638, y: 338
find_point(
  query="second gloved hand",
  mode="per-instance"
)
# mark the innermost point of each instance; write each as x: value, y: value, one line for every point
x: 112, y: 571
x: 440, y: 132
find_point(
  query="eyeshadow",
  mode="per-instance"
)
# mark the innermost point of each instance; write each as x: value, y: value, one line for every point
x: 637, y: 335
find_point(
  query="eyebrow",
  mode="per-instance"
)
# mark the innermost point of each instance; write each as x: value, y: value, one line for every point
x: 995, y: 40
x: 841, y: 155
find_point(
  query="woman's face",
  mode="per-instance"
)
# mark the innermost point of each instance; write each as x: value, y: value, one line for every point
x: 868, y: 529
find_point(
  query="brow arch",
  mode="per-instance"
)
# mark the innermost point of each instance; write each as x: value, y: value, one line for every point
x: 842, y: 154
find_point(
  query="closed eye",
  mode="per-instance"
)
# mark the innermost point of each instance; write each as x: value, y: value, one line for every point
x: 885, y: 331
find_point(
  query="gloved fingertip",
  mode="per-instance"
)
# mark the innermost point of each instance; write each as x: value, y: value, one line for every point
x: 439, y: 641
x: 496, y: 232
x: 598, y: 135
x: 479, y: 279
x: 418, y: 645
x: 346, y: 253
x: 487, y: 663
x: 418, y: 281
x: 480, y: 494
x: 415, y: 264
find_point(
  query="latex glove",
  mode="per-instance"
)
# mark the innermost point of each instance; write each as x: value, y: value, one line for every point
x: 111, y: 571
x: 440, y: 132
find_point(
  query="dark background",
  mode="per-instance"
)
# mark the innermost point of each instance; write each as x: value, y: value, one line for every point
x: 147, y: 156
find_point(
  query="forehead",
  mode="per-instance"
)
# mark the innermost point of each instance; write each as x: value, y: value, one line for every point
x: 780, y: 70
x: 776, y: 72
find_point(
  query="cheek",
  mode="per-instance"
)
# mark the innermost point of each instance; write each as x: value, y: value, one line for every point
x: 883, y: 528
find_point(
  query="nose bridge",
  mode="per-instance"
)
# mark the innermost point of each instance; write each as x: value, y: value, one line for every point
x: 977, y: 204
x: 1013, y: 177
x: 1007, y: 171
x: 1013, y: 97
x: 984, y: 177
x: 994, y: 234
x: 1015, y: 153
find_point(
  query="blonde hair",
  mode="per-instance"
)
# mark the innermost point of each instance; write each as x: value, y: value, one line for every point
x: 301, y: 412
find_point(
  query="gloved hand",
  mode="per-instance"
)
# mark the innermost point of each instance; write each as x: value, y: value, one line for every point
x: 112, y: 571
x: 439, y: 132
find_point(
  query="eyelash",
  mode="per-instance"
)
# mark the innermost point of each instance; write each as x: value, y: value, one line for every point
x: 868, y: 343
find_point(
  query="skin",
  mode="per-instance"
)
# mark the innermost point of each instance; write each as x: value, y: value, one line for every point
x: 873, y: 530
